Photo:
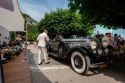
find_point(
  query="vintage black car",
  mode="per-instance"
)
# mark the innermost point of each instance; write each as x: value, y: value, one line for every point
x: 82, y: 52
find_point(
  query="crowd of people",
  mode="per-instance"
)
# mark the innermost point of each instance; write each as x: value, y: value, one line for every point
x: 13, y: 48
x: 115, y: 42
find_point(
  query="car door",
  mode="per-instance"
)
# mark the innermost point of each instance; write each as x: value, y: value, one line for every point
x: 54, y: 46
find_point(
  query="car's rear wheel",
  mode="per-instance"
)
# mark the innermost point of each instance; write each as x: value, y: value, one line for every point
x: 80, y: 62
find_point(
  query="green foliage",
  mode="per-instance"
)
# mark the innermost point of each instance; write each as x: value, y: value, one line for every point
x: 31, y: 28
x: 65, y: 22
x: 32, y: 32
x: 25, y: 15
x: 110, y: 13
x: 32, y: 36
x: 12, y: 35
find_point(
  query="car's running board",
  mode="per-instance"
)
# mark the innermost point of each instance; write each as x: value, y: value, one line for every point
x: 98, y: 65
x: 53, y: 54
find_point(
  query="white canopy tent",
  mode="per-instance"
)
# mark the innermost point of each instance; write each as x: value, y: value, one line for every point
x: 4, y: 35
x: 10, y: 15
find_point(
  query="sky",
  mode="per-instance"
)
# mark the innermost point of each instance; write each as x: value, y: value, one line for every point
x: 37, y: 8
x: 103, y: 30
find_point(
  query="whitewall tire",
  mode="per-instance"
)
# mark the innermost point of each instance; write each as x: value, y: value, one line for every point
x: 80, y: 62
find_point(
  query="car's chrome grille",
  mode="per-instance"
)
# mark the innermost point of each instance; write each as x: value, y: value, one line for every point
x: 73, y: 44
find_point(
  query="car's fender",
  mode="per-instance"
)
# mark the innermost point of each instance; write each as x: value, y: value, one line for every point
x: 80, y: 49
x: 71, y: 50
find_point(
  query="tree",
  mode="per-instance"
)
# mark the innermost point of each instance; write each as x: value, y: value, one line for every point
x: 32, y: 32
x: 110, y: 13
x: 12, y: 35
x: 31, y: 27
x: 65, y: 22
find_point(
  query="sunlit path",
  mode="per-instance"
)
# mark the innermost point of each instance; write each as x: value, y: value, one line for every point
x: 60, y: 72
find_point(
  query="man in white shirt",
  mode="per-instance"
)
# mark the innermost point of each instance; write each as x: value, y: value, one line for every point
x: 42, y: 40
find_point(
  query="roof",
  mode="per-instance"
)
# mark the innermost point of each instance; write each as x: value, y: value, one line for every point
x: 10, y: 15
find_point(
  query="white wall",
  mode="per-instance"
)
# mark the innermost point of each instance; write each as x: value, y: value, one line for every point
x: 10, y: 15
x: 5, y: 35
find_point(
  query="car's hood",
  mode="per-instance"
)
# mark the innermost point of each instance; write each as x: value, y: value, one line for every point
x: 76, y: 40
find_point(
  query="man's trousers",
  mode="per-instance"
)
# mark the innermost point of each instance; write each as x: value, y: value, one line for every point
x: 42, y: 54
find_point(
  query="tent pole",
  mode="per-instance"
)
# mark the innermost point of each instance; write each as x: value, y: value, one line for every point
x: 26, y: 39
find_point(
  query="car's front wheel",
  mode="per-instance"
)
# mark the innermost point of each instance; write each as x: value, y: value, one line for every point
x: 80, y: 62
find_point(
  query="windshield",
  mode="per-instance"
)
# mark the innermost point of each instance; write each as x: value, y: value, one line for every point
x: 75, y: 37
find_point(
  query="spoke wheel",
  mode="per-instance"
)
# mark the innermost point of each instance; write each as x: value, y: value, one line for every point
x: 80, y: 62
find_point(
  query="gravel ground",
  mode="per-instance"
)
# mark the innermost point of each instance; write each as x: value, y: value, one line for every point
x: 59, y: 71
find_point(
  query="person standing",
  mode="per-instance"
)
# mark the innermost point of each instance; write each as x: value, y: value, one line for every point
x: 105, y: 40
x: 42, y: 40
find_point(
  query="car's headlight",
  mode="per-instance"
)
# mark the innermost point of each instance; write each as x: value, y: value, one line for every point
x: 93, y: 44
